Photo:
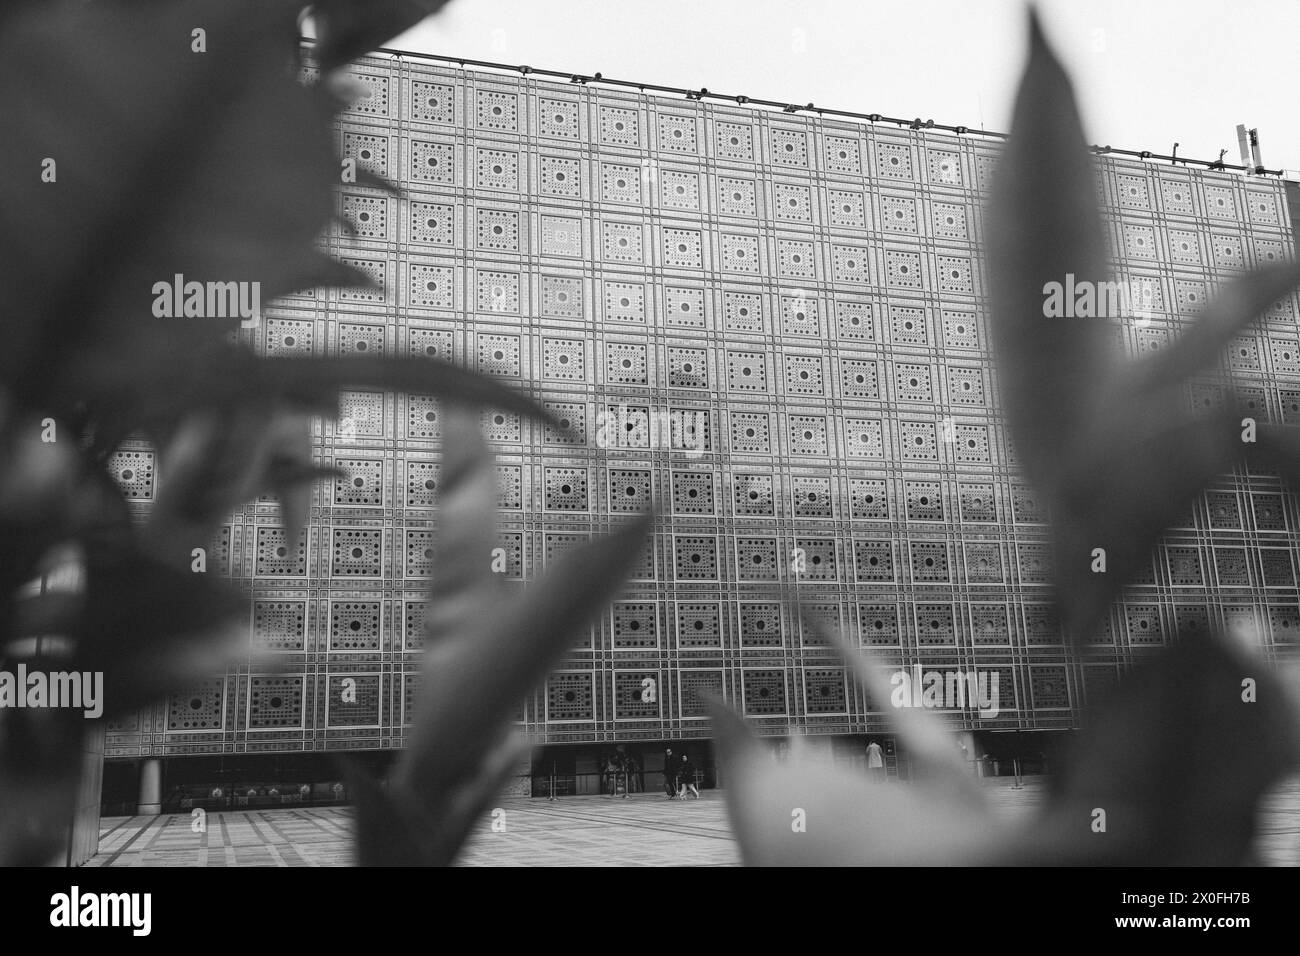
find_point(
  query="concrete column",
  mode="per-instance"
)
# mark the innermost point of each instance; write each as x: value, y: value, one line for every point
x: 150, y: 800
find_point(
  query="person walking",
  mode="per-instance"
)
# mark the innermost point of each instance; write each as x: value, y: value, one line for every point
x: 686, y: 778
x: 632, y: 773
x: 670, y: 774
x: 875, y: 762
x: 609, y: 774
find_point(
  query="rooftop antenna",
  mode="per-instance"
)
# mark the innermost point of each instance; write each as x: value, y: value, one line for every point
x: 1254, y: 149
x: 1243, y: 145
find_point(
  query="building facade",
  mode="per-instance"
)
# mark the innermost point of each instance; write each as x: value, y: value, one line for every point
x: 771, y: 327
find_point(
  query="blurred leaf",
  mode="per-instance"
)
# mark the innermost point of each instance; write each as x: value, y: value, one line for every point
x: 1043, y: 225
x: 1235, y: 305
x: 1276, y: 448
x: 291, y: 483
x: 217, y: 461
x: 366, y: 178
x: 147, y: 144
x: 927, y: 740
x: 1176, y: 759
x: 348, y: 29
x: 39, y: 498
x: 1175, y: 756
x: 40, y: 754
x: 236, y: 183
x: 311, y: 380
x: 1112, y: 446
x: 486, y: 647
x: 175, y: 374
x: 290, y: 472
x: 806, y: 811
x: 152, y: 628
x: 54, y: 612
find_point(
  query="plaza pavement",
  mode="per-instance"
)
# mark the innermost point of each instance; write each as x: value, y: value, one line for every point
x: 643, y: 830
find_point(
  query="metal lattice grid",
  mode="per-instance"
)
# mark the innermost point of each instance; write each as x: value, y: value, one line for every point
x: 814, y: 289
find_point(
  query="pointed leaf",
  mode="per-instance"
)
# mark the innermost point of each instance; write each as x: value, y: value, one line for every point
x: 926, y: 738
x: 1237, y: 304
x: 472, y: 681
x: 308, y: 379
x: 348, y: 29
x: 1115, y: 455
x: 808, y: 812
x: 235, y: 185
x: 151, y: 628
x: 1177, y: 758
x: 1044, y: 225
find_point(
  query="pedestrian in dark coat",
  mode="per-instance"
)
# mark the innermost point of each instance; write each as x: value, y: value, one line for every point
x: 686, y: 778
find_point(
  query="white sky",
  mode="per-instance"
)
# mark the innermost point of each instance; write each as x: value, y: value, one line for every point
x: 1151, y: 72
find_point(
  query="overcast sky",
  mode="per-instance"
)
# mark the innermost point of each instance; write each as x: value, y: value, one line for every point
x: 1150, y: 72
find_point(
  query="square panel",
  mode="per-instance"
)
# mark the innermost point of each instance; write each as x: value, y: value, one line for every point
x: 752, y: 494
x: 274, y: 702
x: 855, y: 320
x: 761, y: 624
x: 687, y: 367
x: 361, y: 482
x: 562, y: 297
x: 699, y: 624
x: 751, y: 432
x: 808, y: 434
x: 746, y: 371
x: 934, y: 625
x: 803, y: 375
x: 636, y: 695
x: 199, y: 708
x: 693, y: 492
x: 431, y: 102
x: 355, y: 625
x: 357, y: 552
x: 635, y: 625
x: 878, y: 625
x: 629, y: 490
x: 565, y: 489
x: 929, y: 560
x: 811, y: 496
x: 695, y: 558
x: 977, y: 502
x: 570, y: 696
x: 277, y: 556
x: 764, y: 692
x: 815, y: 559
x: 626, y: 364
x: 923, y: 500
x: 873, y: 560
x: 758, y: 559
x: 279, y: 625
x: 825, y: 690
x: 864, y: 438
x: 860, y: 378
